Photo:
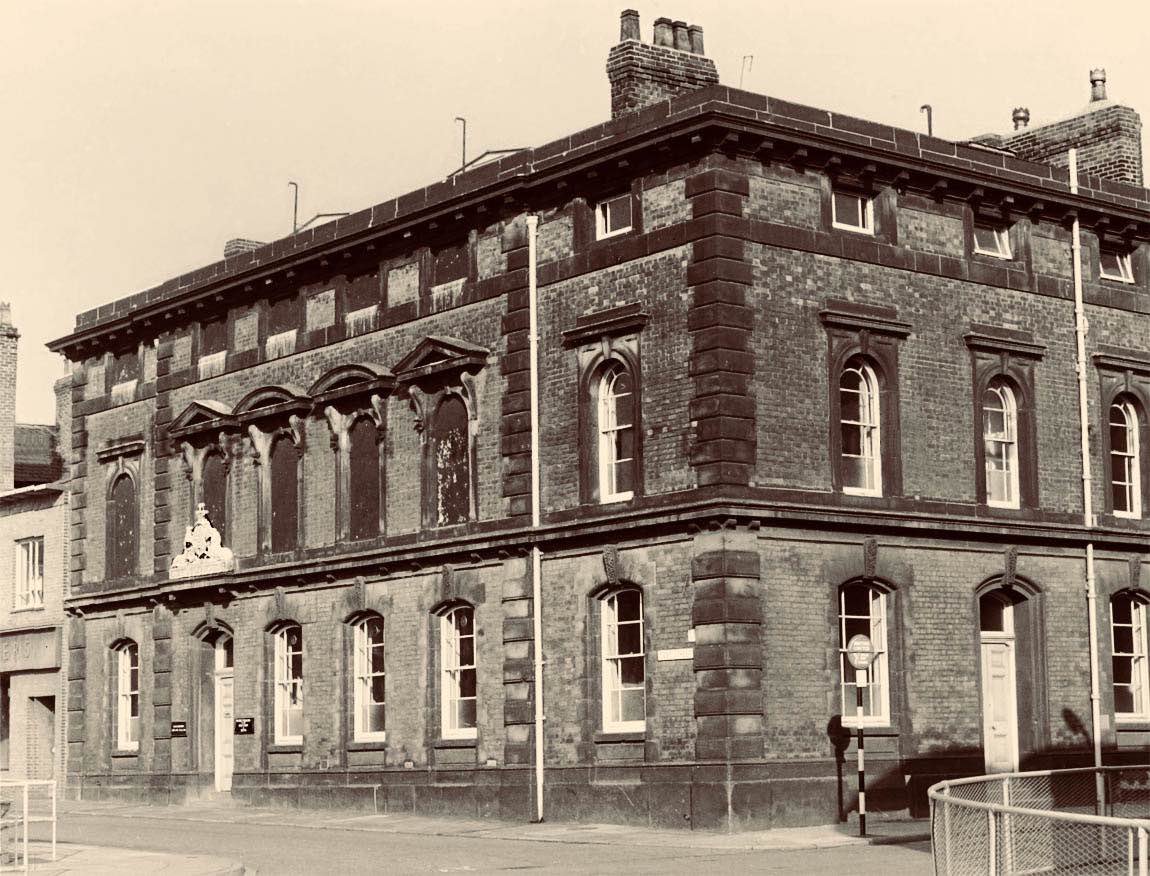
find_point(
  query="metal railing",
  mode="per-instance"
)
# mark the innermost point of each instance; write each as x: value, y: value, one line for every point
x: 24, y: 802
x: 1083, y: 821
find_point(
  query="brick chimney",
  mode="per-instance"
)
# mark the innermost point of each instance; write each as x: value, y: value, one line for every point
x: 1108, y: 138
x: 238, y: 245
x: 8, y: 338
x: 642, y: 74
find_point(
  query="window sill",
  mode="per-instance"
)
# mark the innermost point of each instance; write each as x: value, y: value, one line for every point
x: 619, y: 738
x: 1131, y: 724
x: 1122, y: 280
x: 367, y: 745
x: 472, y: 742
x: 853, y: 229
x: 619, y: 232
x: 125, y: 752
x: 30, y: 608
x: 286, y: 748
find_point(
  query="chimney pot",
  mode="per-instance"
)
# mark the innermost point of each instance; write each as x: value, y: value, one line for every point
x: 1097, y: 84
x: 1021, y: 117
x: 5, y: 313
x: 682, y: 39
x: 695, y: 32
x: 664, y: 32
x: 629, y: 25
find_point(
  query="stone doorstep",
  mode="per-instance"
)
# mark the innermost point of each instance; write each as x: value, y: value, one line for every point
x: 883, y: 831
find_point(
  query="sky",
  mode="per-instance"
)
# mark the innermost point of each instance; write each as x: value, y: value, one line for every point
x: 140, y: 135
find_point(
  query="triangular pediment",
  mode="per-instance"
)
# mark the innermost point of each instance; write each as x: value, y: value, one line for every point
x: 202, y: 415
x: 439, y: 353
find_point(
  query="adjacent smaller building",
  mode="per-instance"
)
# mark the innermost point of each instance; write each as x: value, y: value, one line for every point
x: 33, y: 533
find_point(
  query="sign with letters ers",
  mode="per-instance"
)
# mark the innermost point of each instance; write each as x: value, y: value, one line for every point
x: 36, y: 649
x: 245, y: 726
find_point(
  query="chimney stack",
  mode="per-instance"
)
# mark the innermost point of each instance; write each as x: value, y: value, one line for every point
x: 238, y: 245
x: 1097, y: 85
x: 8, y: 338
x: 1021, y: 117
x: 673, y: 64
x: 1107, y: 136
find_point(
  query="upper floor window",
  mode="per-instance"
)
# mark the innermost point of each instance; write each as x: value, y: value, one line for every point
x: 992, y: 240
x: 859, y: 412
x: 363, y: 479
x: 457, y: 689
x: 288, y: 680
x: 1115, y: 265
x: 1000, y: 444
x: 624, y: 662
x: 128, y: 696
x: 369, y: 699
x: 284, y: 485
x: 284, y: 316
x: 852, y: 211
x: 862, y: 611
x: 30, y: 573
x: 214, y: 491
x: 451, y: 461
x: 120, y: 521
x: 213, y: 347
x: 1128, y: 661
x: 613, y: 216
x: 616, y: 406
x: 1125, y: 464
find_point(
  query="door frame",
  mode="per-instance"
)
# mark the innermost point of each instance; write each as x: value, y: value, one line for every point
x: 224, y: 670
x: 1006, y: 640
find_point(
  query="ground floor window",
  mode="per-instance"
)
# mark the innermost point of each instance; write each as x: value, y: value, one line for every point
x: 1128, y: 660
x: 289, y: 685
x: 128, y: 697
x: 862, y: 611
x: 458, y: 677
x: 369, y: 680
x: 624, y: 668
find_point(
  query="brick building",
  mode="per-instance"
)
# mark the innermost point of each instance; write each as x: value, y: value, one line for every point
x: 33, y: 555
x: 800, y: 376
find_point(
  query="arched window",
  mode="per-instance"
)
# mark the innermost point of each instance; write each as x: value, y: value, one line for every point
x: 451, y: 462
x: 121, y: 524
x: 624, y: 662
x: 1130, y: 676
x: 1000, y: 444
x: 288, y: 680
x: 616, y: 427
x: 213, y: 492
x: 862, y: 611
x: 370, y: 677
x: 1125, y: 462
x: 284, y: 495
x: 859, y: 424
x: 457, y: 689
x: 363, y: 480
x: 128, y: 696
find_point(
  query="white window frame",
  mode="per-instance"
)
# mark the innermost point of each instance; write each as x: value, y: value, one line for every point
x: 29, y: 594
x: 451, y: 671
x: 1001, y: 240
x: 1125, y: 272
x: 869, y: 426
x: 127, y: 697
x: 877, y: 706
x: 865, y: 212
x: 604, y: 211
x: 364, y: 679
x: 609, y: 429
x: 288, y: 686
x: 613, y: 686
x: 1006, y: 443
x: 1139, y: 672
x: 1126, y: 466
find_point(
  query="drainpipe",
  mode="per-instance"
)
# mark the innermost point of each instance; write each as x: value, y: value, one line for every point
x: 536, y: 555
x: 1080, y: 328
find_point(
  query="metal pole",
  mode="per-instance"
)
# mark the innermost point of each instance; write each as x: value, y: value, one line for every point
x: 295, y: 207
x: 1143, y: 856
x: 53, y: 819
x: 860, y: 683
x: 463, y: 163
x: 25, y: 827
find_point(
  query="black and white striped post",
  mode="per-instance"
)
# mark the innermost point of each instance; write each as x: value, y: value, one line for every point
x: 861, y: 654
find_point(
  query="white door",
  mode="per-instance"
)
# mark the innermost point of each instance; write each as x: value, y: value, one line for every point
x: 999, y: 706
x: 225, y: 712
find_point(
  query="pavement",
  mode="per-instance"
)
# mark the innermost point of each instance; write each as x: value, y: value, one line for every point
x: 163, y: 838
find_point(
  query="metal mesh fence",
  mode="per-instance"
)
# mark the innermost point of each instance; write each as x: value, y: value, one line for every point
x: 1071, y: 821
x: 21, y: 804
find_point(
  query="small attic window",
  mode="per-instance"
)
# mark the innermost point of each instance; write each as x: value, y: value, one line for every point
x: 1115, y: 265
x: 852, y: 212
x: 992, y: 240
x: 613, y: 216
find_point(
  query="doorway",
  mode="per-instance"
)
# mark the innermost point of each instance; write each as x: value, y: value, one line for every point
x: 224, y: 699
x: 999, y: 683
x: 41, y: 745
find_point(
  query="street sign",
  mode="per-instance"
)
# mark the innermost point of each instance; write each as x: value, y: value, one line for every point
x: 245, y: 726
x: 179, y: 728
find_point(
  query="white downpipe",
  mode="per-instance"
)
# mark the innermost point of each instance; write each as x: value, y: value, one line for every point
x: 1087, y: 480
x: 536, y: 556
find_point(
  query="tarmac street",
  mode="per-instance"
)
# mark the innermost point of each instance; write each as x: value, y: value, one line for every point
x: 274, y: 841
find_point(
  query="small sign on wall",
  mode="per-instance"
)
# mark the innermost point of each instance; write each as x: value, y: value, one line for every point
x: 245, y: 726
x: 179, y: 728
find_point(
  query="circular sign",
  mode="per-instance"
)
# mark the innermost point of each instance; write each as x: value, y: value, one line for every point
x: 860, y: 652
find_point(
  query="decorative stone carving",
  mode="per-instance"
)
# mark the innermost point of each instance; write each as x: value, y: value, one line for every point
x: 202, y: 554
x: 870, y: 557
x: 611, y: 564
